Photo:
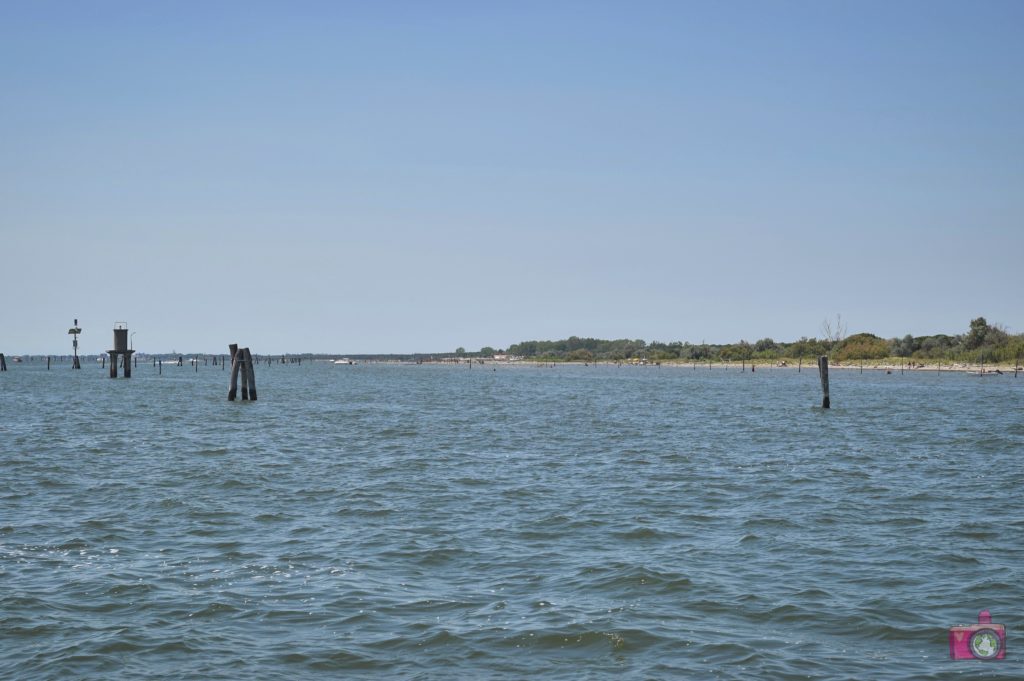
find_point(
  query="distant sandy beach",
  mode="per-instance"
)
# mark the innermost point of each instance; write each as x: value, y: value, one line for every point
x: 874, y: 365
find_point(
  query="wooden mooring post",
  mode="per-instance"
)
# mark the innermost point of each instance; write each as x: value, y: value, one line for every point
x: 3, y: 362
x: 823, y: 372
x: 241, y: 363
x: 233, y: 388
x: 250, y: 374
x: 244, y: 372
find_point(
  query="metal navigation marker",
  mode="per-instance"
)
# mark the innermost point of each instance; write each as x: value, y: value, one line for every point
x: 121, y: 350
x: 75, y: 330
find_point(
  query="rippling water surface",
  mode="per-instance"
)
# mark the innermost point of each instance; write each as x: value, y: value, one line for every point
x: 429, y: 522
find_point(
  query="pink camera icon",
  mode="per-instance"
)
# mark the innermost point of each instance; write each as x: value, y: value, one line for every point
x: 981, y: 641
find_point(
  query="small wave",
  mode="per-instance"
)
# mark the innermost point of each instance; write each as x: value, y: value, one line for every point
x: 15, y: 631
x: 788, y: 612
x: 587, y: 641
x: 733, y: 654
x: 118, y: 646
x: 911, y: 521
x: 957, y: 559
x: 769, y: 523
x: 473, y: 482
x: 303, y: 530
x: 644, y: 534
x: 398, y: 432
x: 375, y: 511
x: 136, y: 589
x: 630, y: 577
x: 232, y: 483
x: 52, y: 483
x: 215, y: 610
x: 176, y: 646
x: 343, y: 660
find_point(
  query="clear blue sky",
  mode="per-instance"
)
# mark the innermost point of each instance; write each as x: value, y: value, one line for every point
x: 417, y: 176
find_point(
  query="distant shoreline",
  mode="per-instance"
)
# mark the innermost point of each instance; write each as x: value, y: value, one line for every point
x: 771, y: 365
x: 890, y: 365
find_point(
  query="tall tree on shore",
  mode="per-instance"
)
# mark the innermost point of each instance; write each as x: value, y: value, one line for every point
x: 976, y: 336
x: 834, y: 332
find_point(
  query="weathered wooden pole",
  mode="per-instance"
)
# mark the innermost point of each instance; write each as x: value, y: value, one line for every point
x: 113, y: 365
x: 250, y: 374
x: 244, y: 372
x: 47, y: 362
x: 3, y: 362
x: 161, y: 367
x: 233, y: 390
x: 800, y: 365
x: 103, y: 362
x: 823, y: 372
x: 195, y: 360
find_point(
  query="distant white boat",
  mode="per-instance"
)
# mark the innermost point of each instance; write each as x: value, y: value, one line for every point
x: 343, y: 360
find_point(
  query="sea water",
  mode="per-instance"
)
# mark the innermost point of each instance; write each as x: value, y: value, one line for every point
x: 506, y: 522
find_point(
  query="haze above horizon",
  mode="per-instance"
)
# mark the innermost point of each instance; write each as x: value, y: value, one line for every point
x: 414, y: 177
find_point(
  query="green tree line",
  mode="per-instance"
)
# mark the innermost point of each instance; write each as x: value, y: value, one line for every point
x: 981, y: 341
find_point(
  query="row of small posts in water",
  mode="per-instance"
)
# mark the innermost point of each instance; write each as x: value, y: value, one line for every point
x: 49, y: 361
x: 120, y: 360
